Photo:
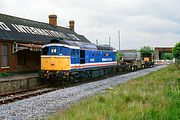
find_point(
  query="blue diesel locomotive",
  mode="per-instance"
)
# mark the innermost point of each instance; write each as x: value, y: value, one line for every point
x: 73, y: 60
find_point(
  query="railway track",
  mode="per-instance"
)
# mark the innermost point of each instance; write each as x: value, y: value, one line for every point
x: 20, y: 96
x: 4, y: 99
x: 47, y: 88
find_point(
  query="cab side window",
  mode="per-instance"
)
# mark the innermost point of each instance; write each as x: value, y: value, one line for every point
x: 73, y: 52
x: 77, y: 53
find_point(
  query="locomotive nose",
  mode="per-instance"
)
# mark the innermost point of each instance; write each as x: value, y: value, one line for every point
x: 55, y: 63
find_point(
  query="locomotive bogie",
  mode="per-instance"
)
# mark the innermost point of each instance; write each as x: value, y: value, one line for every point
x: 53, y: 75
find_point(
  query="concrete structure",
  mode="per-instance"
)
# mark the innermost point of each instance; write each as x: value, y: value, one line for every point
x: 160, y: 50
x: 19, y: 83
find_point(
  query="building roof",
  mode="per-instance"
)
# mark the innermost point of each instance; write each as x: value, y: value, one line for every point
x: 28, y: 31
x: 164, y: 49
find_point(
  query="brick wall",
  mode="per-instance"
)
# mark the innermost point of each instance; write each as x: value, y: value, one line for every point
x: 32, y: 60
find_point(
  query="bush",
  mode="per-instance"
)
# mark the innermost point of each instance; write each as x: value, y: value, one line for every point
x: 119, y: 56
x: 176, y: 53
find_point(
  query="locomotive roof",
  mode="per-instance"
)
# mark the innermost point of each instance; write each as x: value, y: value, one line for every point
x: 105, y: 47
x: 29, y: 31
x: 83, y: 45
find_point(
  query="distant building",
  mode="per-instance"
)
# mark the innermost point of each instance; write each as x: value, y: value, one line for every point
x: 21, y: 41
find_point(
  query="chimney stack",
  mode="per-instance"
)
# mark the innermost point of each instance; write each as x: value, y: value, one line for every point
x: 53, y: 20
x: 71, y: 25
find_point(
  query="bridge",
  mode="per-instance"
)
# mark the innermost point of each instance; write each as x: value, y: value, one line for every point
x: 160, y: 50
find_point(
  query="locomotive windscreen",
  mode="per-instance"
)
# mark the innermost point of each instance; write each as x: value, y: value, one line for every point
x: 55, y: 50
x: 45, y: 50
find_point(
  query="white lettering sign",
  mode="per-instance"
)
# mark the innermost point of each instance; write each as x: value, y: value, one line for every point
x: 37, y: 31
x: 3, y: 26
x: 106, y: 59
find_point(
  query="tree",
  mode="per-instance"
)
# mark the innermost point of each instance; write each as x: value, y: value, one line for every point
x: 167, y: 56
x: 176, y: 50
x: 176, y: 53
x: 119, y: 56
x: 146, y: 51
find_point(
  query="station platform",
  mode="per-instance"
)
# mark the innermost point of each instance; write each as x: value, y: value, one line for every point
x: 19, y: 83
x: 18, y: 77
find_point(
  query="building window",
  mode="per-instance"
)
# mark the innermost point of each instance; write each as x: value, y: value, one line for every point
x: 4, y: 60
x: 21, y: 58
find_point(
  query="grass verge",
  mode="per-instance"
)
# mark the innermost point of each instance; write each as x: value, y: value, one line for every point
x: 155, y: 96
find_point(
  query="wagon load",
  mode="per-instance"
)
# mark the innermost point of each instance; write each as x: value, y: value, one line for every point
x: 131, y: 56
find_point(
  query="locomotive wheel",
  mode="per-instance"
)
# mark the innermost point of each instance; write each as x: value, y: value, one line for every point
x: 142, y: 66
x: 132, y: 68
x: 71, y: 78
x: 135, y: 67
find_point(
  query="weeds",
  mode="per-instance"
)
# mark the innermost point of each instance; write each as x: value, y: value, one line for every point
x: 5, y: 74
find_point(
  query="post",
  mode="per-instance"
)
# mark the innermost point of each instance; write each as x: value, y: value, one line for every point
x: 119, y: 38
x: 96, y: 41
x: 109, y: 41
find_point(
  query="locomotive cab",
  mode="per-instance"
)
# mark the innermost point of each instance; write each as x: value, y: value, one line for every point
x: 55, y: 58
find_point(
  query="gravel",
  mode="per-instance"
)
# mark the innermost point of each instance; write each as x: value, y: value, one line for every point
x: 46, y: 104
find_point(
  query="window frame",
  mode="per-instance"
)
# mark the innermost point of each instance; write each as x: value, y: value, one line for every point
x: 5, y: 55
x: 73, y: 52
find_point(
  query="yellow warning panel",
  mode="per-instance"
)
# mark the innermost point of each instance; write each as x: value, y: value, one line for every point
x: 55, y: 63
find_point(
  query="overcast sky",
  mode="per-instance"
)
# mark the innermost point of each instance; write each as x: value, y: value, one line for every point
x: 140, y: 22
